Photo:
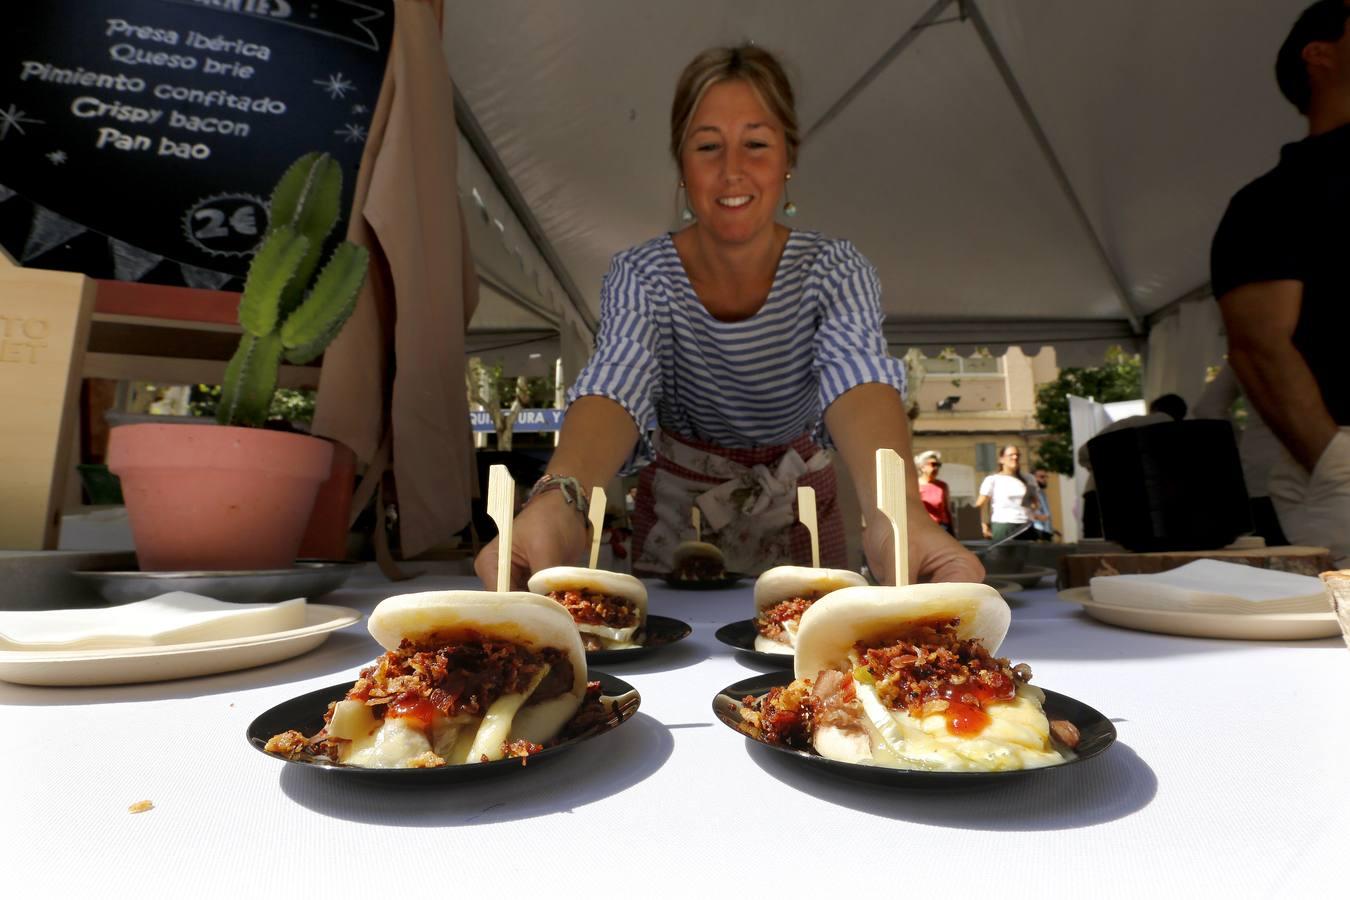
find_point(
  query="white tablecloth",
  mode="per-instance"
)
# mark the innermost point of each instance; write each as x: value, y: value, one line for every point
x: 1231, y: 774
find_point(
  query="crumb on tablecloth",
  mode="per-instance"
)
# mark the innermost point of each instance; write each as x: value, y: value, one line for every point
x: 140, y: 806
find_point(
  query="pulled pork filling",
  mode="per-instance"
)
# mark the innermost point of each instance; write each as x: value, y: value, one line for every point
x: 927, y: 671
x: 593, y: 608
x: 789, y: 715
x: 701, y: 568
x: 770, y: 621
x: 463, y: 677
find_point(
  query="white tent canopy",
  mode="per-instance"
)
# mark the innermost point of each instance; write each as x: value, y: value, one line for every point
x: 1022, y: 172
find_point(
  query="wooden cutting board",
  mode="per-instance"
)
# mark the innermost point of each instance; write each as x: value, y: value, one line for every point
x: 1077, y: 569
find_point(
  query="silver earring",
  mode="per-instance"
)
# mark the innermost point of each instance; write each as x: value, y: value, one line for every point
x: 789, y: 208
x: 686, y: 214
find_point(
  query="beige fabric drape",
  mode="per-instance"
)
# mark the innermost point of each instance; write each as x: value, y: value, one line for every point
x: 396, y: 371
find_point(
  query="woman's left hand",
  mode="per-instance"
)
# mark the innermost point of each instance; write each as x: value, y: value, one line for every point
x: 934, y: 555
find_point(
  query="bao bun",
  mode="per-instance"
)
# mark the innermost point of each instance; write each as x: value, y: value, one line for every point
x: 836, y: 622
x: 695, y: 548
x: 783, y: 582
x: 600, y: 581
x: 531, y: 620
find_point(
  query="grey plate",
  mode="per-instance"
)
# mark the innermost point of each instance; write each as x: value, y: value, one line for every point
x: 307, y: 579
x: 1029, y: 577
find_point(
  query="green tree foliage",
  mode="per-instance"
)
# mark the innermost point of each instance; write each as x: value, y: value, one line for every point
x: 289, y: 405
x: 1119, y: 378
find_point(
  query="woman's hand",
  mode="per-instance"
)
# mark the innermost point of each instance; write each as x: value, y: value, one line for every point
x: 934, y: 555
x: 548, y: 532
x: 986, y: 530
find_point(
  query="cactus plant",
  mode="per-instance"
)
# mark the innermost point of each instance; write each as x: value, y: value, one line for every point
x: 281, y: 314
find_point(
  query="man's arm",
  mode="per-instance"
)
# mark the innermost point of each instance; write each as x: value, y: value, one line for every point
x: 862, y: 420
x: 1260, y: 318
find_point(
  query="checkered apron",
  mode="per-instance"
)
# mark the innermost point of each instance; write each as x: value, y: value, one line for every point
x: 747, y: 500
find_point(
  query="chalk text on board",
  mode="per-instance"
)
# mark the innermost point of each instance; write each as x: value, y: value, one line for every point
x: 196, y: 40
x: 277, y: 9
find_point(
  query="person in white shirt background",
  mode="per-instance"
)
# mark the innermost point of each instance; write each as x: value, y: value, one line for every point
x: 1009, y: 497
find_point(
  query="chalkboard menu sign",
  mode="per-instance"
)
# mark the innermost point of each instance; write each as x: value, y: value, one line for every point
x: 139, y: 138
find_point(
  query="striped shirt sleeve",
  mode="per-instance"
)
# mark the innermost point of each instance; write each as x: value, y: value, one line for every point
x: 850, y: 348
x: 624, y: 367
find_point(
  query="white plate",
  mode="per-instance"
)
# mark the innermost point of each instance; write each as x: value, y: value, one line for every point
x: 128, y: 666
x: 1004, y: 587
x: 1236, y: 626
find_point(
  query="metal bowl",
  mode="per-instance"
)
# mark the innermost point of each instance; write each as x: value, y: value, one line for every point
x: 306, y: 579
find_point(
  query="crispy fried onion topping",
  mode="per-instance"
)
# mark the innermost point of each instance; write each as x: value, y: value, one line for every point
x: 770, y: 621
x: 463, y: 677
x: 593, y: 608
x: 930, y: 666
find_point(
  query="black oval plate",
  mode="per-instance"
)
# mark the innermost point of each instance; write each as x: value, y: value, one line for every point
x: 1096, y: 734
x: 730, y: 580
x: 741, y: 635
x: 659, y: 632
x: 305, y: 714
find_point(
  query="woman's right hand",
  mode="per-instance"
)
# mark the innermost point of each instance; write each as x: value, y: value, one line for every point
x: 986, y: 530
x: 548, y: 532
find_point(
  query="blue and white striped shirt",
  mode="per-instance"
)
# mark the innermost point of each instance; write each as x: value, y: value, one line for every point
x: 759, y: 382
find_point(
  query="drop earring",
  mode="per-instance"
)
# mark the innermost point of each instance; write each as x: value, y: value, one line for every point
x: 686, y: 214
x: 789, y: 208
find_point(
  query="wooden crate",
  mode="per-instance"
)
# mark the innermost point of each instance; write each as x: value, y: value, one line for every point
x: 1077, y: 569
x: 44, y: 328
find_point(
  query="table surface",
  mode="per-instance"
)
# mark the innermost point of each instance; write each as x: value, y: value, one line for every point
x: 1230, y: 773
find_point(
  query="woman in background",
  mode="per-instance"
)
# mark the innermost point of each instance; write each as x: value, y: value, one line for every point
x: 933, y: 491
x: 1008, y: 496
x: 752, y: 345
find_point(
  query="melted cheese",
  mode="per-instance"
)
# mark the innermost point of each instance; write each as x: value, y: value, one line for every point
x: 787, y: 645
x: 612, y: 638
x: 389, y: 746
x: 1017, y: 737
x: 497, y: 721
x: 769, y: 645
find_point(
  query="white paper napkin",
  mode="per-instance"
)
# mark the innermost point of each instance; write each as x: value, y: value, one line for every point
x: 174, y: 618
x: 1208, y: 585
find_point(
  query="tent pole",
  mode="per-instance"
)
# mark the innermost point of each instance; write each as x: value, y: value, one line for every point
x: 478, y: 140
x: 927, y: 19
x: 1052, y: 159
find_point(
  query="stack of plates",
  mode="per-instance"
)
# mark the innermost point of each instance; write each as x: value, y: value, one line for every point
x: 178, y: 635
x: 1208, y: 598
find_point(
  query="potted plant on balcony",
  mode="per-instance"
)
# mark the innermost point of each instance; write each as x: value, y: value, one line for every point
x: 237, y: 496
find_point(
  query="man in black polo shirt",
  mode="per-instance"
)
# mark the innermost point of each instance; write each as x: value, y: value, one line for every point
x: 1281, y: 272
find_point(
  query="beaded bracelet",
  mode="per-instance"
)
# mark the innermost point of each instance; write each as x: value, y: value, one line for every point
x: 568, y: 486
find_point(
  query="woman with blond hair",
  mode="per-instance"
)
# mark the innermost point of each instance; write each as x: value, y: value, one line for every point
x: 752, y: 345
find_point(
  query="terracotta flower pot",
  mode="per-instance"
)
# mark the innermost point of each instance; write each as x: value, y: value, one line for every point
x: 326, y: 534
x: 215, y: 497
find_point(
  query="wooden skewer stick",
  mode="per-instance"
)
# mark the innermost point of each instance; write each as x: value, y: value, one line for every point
x: 502, y: 508
x: 892, y: 482
x: 597, y: 517
x: 697, y: 518
x: 806, y: 512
